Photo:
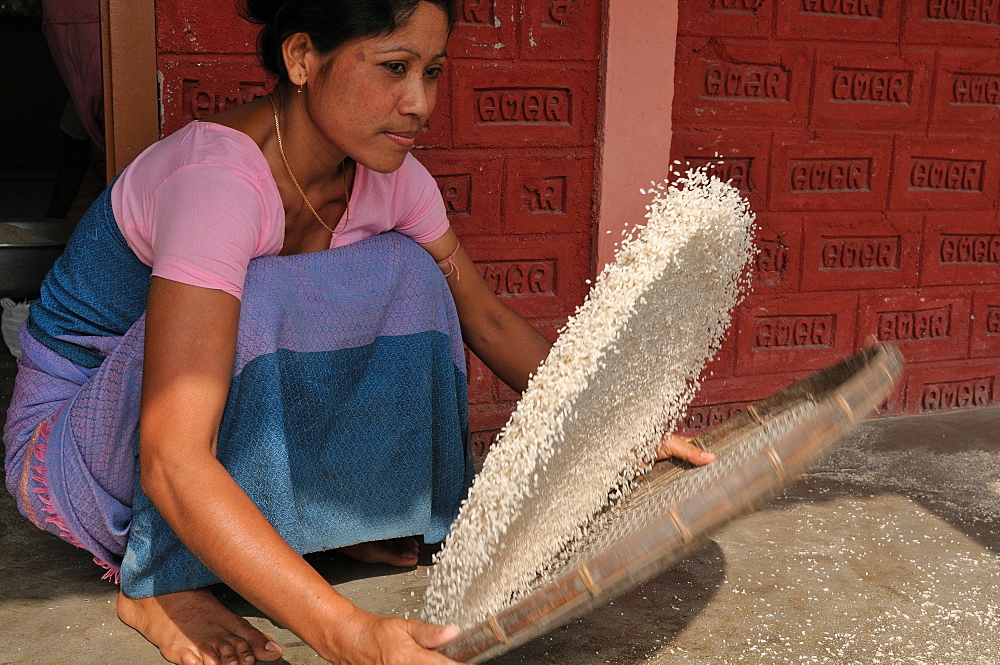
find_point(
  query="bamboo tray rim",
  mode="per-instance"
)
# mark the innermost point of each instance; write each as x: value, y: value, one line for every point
x: 843, y: 395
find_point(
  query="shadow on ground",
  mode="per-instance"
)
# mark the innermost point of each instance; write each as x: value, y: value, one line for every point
x: 642, y: 620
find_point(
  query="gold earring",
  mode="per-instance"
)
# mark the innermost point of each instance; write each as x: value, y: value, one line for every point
x: 300, y: 86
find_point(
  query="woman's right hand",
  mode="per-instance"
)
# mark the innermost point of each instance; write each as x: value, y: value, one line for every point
x: 382, y: 640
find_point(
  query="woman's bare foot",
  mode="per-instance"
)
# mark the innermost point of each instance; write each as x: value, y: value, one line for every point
x: 193, y: 628
x: 399, y: 552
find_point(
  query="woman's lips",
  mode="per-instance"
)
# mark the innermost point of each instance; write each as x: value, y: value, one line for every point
x: 405, y: 140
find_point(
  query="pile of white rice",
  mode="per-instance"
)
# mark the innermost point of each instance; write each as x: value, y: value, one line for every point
x: 620, y: 375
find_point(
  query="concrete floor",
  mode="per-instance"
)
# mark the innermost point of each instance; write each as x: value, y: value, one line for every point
x: 887, y: 553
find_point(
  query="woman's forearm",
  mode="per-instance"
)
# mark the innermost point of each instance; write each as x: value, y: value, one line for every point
x: 510, y: 346
x: 221, y: 525
x: 499, y: 336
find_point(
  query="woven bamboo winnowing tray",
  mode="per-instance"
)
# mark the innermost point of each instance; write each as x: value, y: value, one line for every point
x: 745, y: 474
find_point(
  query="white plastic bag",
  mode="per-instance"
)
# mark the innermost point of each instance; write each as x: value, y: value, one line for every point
x: 14, y: 314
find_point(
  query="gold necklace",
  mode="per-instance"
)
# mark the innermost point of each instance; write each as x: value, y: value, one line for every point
x: 343, y: 166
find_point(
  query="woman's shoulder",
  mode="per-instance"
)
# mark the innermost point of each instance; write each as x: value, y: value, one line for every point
x: 210, y: 154
x: 205, y: 143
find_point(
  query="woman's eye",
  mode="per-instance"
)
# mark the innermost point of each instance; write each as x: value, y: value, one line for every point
x: 395, y: 67
x: 434, y: 72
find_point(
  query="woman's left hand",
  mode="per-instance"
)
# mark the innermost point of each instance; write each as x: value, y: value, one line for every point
x: 675, y: 445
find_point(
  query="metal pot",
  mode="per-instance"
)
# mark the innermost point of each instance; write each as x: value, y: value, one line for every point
x: 28, y: 248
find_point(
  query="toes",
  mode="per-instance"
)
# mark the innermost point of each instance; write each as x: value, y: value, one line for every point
x: 244, y: 653
x: 267, y: 649
x: 231, y: 650
x: 228, y: 657
x: 238, y: 652
x: 402, y: 559
x: 224, y: 655
x: 389, y: 552
x: 255, y: 645
x: 228, y: 654
x: 185, y: 657
x: 404, y: 551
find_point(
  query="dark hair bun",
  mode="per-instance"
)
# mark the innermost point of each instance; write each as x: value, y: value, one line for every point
x: 261, y: 12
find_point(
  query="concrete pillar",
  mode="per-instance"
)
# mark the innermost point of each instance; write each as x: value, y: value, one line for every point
x: 634, y: 143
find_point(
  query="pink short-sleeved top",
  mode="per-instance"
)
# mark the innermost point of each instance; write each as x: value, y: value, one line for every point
x: 199, y: 204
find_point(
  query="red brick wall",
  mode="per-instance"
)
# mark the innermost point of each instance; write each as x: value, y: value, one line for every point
x: 511, y: 143
x: 865, y: 134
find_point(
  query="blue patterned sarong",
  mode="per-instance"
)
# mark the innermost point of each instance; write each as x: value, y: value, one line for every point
x: 345, y: 422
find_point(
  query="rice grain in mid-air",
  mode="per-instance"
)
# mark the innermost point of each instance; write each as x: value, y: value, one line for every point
x: 620, y: 375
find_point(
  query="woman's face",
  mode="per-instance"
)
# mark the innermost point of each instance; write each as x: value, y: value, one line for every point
x: 376, y: 93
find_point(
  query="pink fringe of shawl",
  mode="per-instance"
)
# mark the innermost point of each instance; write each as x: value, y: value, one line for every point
x: 39, y: 448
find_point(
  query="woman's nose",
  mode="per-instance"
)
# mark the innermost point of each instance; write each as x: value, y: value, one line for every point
x: 418, y: 100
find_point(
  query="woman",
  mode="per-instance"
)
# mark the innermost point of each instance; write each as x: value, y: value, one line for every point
x: 236, y: 361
